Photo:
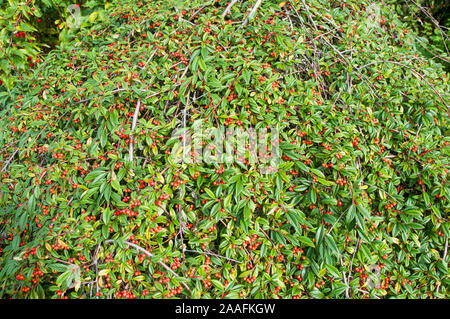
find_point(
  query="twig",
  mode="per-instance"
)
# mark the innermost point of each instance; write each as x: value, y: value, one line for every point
x: 133, y: 126
x: 61, y: 261
x: 95, y: 263
x: 445, y: 250
x: 387, y: 193
x: 340, y: 216
x: 212, y: 254
x: 228, y: 8
x: 412, y: 70
x: 151, y: 56
x: 198, y: 11
x: 252, y: 13
x: 20, y: 75
x: 418, y: 131
x: 225, y: 95
x: 273, y: 244
x: 181, y: 214
x: 180, y: 17
x: 351, y: 266
x: 366, y: 292
x: 345, y: 279
x: 435, y: 22
x: 184, y: 73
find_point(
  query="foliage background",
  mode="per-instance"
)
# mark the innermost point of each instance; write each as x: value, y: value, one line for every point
x: 363, y: 116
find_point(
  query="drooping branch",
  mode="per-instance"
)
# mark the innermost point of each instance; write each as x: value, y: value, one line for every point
x: 212, y: 254
x: 133, y: 126
x: 149, y: 254
x: 443, y: 34
x: 438, y: 287
x: 252, y: 13
x: 228, y: 8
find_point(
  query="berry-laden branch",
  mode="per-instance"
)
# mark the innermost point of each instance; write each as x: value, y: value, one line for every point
x: 413, y: 71
x: 17, y: 22
x: 223, y: 97
x: 139, y: 248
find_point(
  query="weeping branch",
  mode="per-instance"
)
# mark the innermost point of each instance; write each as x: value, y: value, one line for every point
x: 146, y: 252
x: 228, y: 8
x: 252, y: 13
x: 133, y: 126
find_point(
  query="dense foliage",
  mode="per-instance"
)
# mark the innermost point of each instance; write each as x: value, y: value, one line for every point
x: 92, y: 202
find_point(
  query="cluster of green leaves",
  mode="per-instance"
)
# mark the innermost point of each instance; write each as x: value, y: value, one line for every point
x: 29, y: 28
x: 361, y: 183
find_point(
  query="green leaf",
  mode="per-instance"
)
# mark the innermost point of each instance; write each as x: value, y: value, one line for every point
x: 210, y: 193
x: 115, y: 183
x: 333, y: 271
x: 305, y: 240
x: 107, y: 213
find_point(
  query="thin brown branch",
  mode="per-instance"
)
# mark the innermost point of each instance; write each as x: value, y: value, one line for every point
x: 212, y: 254
x: 133, y: 126
x: 412, y: 70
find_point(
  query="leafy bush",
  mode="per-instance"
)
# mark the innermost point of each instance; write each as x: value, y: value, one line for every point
x: 93, y: 202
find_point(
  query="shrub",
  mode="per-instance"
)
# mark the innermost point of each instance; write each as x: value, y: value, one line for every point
x: 94, y: 203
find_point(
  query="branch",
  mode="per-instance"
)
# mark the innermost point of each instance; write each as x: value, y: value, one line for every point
x: 133, y: 126
x: 212, y: 254
x: 435, y: 22
x: 252, y: 13
x: 9, y: 160
x: 445, y: 250
x: 95, y: 263
x: 228, y: 8
x: 345, y: 60
x: 181, y: 214
x: 20, y: 75
x: 139, y: 248
x: 412, y: 70
x: 351, y: 268
x: 345, y: 279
